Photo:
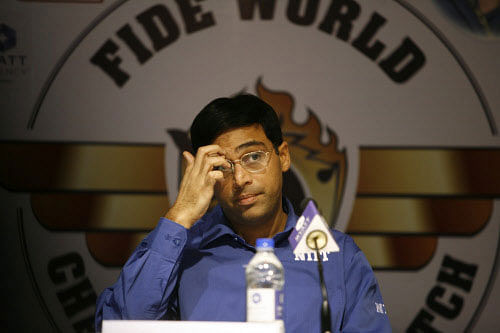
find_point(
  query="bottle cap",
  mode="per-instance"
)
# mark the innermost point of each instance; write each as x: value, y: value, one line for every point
x: 264, y: 243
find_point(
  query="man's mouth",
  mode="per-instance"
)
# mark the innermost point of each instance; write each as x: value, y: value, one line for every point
x: 246, y: 199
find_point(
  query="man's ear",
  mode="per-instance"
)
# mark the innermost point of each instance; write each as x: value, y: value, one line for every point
x: 284, y: 155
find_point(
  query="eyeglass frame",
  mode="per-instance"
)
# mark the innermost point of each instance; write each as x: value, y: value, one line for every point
x: 233, y: 162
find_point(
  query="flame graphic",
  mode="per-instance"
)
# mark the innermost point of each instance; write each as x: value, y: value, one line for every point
x: 323, y: 166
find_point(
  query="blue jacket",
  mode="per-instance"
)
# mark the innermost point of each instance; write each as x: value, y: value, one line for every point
x: 199, y: 274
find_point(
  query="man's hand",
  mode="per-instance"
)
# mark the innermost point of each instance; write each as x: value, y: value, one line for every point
x: 197, y: 185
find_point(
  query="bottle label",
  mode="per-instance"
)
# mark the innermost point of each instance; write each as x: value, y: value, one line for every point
x: 264, y: 304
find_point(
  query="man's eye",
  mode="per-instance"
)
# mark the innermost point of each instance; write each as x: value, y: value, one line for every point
x: 254, y: 157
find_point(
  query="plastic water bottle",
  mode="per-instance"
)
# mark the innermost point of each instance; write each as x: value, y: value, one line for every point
x: 265, y: 281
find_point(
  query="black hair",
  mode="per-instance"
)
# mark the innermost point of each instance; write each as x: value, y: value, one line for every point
x: 226, y: 113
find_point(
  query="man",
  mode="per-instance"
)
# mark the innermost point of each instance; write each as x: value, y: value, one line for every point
x: 191, y: 266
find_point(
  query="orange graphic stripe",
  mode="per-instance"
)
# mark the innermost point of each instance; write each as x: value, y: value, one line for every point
x: 92, y: 211
x: 132, y: 174
x: 113, y: 248
x: 451, y: 172
x: 397, y: 252
x: 419, y: 215
x: 82, y: 167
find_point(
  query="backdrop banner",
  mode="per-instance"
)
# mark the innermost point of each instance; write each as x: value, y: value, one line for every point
x: 391, y: 110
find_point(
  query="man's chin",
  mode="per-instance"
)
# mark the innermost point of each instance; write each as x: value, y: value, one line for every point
x: 250, y: 214
x: 254, y: 215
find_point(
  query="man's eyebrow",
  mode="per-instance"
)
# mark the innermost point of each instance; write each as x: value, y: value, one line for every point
x: 250, y: 144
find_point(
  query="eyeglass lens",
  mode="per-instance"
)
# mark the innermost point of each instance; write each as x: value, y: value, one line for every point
x: 252, y: 162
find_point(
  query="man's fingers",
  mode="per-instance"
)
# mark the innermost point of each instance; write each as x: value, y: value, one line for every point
x: 215, y: 161
x: 188, y: 157
x: 216, y: 175
x: 210, y: 149
x: 204, y: 152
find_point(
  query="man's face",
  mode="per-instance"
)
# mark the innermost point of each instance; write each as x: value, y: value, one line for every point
x: 251, y: 198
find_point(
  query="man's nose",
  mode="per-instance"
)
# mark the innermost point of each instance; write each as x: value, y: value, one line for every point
x: 241, y: 176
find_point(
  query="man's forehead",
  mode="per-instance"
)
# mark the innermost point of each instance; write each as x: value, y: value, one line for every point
x: 250, y: 144
x: 241, y: 138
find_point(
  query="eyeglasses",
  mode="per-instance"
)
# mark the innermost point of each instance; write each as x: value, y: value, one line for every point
x: 254, y: 161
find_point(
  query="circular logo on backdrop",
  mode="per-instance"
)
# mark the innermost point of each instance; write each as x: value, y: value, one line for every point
x: 363, y: 94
